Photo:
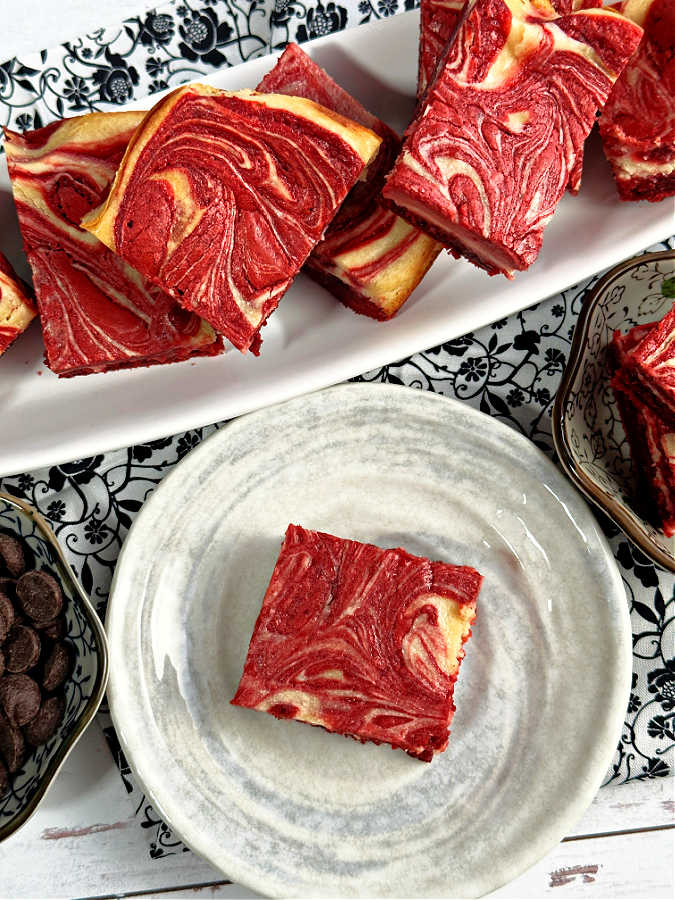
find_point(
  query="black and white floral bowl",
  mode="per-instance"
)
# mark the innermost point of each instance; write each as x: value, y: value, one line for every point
x: 587, y: 431
x: 86, y: 685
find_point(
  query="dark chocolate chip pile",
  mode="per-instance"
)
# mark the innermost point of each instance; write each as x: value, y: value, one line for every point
x: 35, y: 661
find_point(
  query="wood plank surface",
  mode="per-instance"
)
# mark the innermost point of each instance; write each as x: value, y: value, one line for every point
x: 85, y: 841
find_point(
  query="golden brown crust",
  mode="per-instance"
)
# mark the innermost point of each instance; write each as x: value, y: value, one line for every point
x: 16, y: 307
x: 399, y: 280
x: 92, y: 128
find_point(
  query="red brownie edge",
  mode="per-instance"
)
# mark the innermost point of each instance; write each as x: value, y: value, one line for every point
x: 646, y: 433
x: 342, y: 641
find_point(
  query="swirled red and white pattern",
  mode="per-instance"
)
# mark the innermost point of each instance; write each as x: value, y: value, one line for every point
x: 362, y: 641
x: 651, y: 439
x: 489, y: 154
x: 648, y: 371
x: 97, y: 313
x: 369, y: 257
x: 221, y: 197
x: 438, y: 21
x: 17, y: 309
x: 637, y: 125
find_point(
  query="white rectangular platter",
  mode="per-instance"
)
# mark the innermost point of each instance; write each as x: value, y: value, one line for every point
x: 312, y: 340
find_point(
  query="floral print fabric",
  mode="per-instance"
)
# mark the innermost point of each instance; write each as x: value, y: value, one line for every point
x: 164, y: 48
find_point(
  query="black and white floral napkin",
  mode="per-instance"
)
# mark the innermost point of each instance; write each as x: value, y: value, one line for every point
x: 510, y: 369
x: 165, y: 47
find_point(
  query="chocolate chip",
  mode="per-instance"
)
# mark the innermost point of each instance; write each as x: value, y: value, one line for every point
x: 4, y: 780
x: 2, y: 663
x: 19, y: 698
x: 12, y: 745
x: 57, y: 667
x: 42, y: 727
x: 53, y: 630
x: 11, y: 552
x: 39, y: 596
x: 8, y: 586
x: 22, y: 649
x: 7, y: 616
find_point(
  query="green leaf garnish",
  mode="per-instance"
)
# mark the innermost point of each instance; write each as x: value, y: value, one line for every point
x: 668, y: 288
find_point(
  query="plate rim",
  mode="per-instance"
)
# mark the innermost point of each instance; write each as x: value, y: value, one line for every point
x: 545, y: 840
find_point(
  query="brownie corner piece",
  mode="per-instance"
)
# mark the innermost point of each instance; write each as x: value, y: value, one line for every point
x: 17, y: 308
x: 363, y: 641
x: 96, y: 313
x: 499, y: 131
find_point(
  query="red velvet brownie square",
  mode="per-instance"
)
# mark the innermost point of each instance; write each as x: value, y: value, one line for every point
x: 648, y: 371
x: 637, y: 125
x: 369, y: 257
x: 17, y: 309
x: 651, y: 440
x: 97, y: 313
x: 438, y: 20
x: 490, y: 152
x: 221, y: 197
x: 363, y: 641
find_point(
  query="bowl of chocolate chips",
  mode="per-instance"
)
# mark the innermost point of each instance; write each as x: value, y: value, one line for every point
x: 53, y: 661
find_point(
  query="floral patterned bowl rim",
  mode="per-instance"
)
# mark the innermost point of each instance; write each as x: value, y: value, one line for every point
x: 608, y: 504
x: 94, y: 701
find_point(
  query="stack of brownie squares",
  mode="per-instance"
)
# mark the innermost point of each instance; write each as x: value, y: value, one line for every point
x: 146, y: 250
x: 644, y: 386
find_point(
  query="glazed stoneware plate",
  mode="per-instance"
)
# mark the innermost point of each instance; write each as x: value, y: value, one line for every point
x: 291, y: 810
x: 587, y: 430
x: 312, y: 340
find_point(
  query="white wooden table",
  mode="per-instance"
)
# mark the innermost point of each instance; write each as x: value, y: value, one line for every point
x: 86, y: 841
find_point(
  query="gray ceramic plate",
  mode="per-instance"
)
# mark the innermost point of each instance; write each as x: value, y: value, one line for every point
x: 587, y: 430
x: 291, y: 810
